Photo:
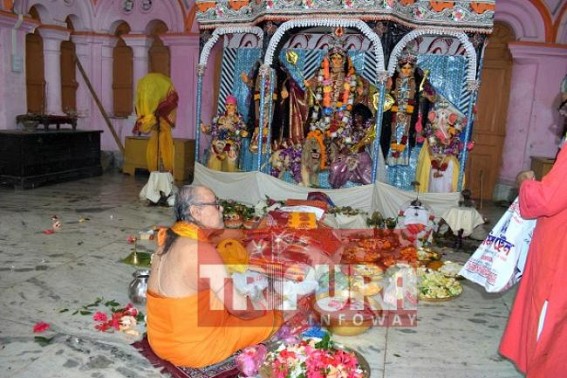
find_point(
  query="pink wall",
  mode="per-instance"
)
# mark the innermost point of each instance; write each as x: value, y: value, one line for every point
x: 533, y: 121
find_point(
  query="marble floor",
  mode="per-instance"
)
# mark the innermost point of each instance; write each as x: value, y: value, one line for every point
x: 53, y: 278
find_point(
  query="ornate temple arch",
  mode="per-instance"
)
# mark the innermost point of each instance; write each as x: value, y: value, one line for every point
x: 345, y: 23
x: 202, y: 66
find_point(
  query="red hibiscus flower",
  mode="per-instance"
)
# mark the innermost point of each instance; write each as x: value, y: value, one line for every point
x: 40, y: 327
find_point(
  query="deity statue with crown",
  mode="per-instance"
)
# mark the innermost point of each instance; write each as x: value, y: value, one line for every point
x: 332, y: 94
x: 408, y: 90
x: 408, y: 99
x: 227, y: 131
x: 438, y: 163
x: 334, y: 90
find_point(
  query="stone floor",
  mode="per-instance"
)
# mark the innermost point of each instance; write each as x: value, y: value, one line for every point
x: 49, y: 277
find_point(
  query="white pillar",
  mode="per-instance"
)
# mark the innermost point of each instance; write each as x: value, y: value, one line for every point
x: 140, y: 45
x: 52, y: 67
x: 106, y: 70
x: 184, y: 53
x: 95, y: 53
x: 83, y: 52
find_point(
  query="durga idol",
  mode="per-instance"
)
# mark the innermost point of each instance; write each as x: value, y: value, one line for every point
x: 333, y: 93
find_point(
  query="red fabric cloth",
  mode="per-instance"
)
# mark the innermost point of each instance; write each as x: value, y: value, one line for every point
x: 545, y: 278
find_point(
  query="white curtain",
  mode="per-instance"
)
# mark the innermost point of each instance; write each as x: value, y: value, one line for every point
x: 251, y: 187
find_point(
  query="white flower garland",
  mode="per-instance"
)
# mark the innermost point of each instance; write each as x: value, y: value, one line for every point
x: 328, y: 22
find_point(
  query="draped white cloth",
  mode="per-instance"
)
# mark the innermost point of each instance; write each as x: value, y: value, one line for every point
x: 466, y: 218
x: 158, y: 183
x: 252, y: 187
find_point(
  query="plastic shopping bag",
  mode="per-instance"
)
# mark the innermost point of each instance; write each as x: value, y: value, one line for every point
x: 498, y: 263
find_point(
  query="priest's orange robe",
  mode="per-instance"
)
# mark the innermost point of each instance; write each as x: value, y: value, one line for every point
x: 187, y: 332
x: 544, y: 279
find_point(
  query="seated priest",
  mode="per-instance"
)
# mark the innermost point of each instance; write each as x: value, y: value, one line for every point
x: 195, y: 317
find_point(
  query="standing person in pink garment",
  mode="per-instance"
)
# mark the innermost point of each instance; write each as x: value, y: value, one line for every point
x: 536, y: 334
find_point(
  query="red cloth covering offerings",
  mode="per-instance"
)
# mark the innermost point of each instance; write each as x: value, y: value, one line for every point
x: 280, y: 250
x: 544, y: 280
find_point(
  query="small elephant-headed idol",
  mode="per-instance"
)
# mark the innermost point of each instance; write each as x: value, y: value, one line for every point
x: 227, y: 131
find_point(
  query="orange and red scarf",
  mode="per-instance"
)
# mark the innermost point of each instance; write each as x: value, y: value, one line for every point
x: 182, y: 228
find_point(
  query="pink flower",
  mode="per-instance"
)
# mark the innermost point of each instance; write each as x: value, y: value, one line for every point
x: 458, y: 15
x: 315, y: 374
x: 250, y: 359
x: 280, y: 369
x: 40, y: 327
x: 130, y: 310
x: 115, y: 321
x: 100, y: 317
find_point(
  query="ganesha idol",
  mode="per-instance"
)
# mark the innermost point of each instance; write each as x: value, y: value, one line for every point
x: 226, y: 131
x: 438, y: 166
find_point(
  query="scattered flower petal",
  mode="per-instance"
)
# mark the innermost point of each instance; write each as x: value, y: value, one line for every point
x: 100, y: 316
x: 40, y: 327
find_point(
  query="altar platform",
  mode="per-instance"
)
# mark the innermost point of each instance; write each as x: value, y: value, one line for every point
x: 43, y: 274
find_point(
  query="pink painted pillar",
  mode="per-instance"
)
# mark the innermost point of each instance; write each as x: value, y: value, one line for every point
x: 532, y: 122
x: 52, y: 60
x: 140, y: 45
x: 184, y: 52
x: 105, y: 72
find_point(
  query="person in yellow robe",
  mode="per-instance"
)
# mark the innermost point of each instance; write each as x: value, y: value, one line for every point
x: 156, y: 108
x: 195, y: 317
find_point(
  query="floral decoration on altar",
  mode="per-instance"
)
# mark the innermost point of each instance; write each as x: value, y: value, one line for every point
x: 476, y: 14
